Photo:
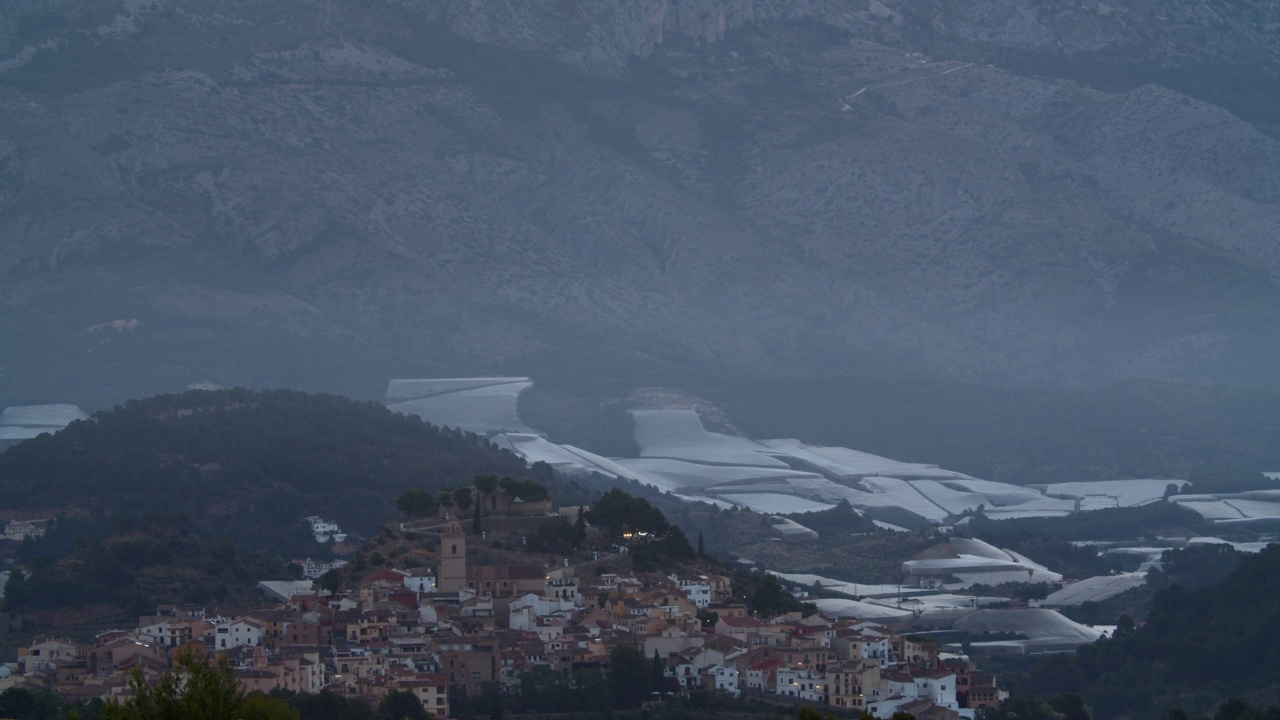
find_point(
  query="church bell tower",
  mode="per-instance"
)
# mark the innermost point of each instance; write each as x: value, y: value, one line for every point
x: 453, y: 558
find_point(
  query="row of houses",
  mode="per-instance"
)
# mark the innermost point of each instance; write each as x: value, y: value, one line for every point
x: 848, y: 664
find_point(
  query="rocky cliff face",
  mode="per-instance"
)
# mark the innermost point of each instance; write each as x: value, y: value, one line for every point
x: 602, y: 35
x: 307, y: 193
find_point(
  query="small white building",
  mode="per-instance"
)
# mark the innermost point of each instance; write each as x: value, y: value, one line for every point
x: 313, y: 569
x: 170, y: 633
x: 534, y: 613
x: 722, y: 677
x: 324, y: 530
x: 684, y: 669
x: 238, y: 633
x: 874, y: 648
x: 938, y: 686
x: 19, y: 530
x: 421, y: 580
x: 696, y: 587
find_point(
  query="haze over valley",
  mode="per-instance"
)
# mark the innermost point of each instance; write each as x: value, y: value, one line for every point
x: 932, y: 336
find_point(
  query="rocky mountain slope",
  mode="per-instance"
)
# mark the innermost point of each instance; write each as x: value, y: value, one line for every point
x: 327, y: 193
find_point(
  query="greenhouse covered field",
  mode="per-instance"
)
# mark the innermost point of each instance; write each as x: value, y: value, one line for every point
x: 678, y: 434
x: 784, y: 476
x: 23, y: 422
x: 478, y: 405
x: 1128, y: 493
x: 775, y: 503
x: 1094, y: 589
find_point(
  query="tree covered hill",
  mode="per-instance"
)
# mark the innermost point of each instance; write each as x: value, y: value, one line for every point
x: 246, y: 464
x: 130, y: 574
x: 1196, y: 648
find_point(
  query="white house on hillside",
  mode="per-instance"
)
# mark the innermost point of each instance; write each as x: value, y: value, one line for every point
x: 696, y: 587
x: 237, y: 633
x: 722, y: 677
x: 323, y: 530
x: 802, y: 683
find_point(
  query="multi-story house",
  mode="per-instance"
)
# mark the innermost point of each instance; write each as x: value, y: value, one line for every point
x: 238, y: 633
x: 469, y: 662
x: 721, y: 678
x: 852, y: 683
x: 801, y: 683
x: 696, y: 587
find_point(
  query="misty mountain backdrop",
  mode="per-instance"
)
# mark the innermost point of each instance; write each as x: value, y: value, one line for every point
x: 740, y: 198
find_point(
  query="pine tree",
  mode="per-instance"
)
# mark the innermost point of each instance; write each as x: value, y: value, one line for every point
x: 658, y: 671
x: 580, y: 528
x: 195, y: 690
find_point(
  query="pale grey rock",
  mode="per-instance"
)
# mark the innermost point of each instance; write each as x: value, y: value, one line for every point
x: 778, y: 186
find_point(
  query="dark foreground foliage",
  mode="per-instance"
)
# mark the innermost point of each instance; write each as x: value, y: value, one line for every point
x: 1197, y: 648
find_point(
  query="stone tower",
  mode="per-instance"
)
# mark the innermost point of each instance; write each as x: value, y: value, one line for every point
x: 453, y: 558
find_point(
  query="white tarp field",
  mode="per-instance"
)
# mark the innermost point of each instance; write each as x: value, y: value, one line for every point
x: 535, y: 448
x: 893, y: 492
x: 478, y: 405
x: 1255, y: 508
x: 679, y: 435
x: 1208, y: 506
x: 845, y: 464
x: 23, y: 422
x: 1240, y: 507
x: 398, y: 390
x: 678, y: 475
x: 42, y: 415
x: 1127, y: 493
x: 1244, y: 547
x: 950, y: 499
x: 853, y: 590
x: 774, y: 503
x: 1094, y: 589
x: 1044, y: 629
x: 974, y: 562
x: 839, y: 608
x: 998, y: 494
x: 678, y: 454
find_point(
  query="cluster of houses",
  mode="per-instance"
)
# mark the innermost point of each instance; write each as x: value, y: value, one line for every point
x: 459, y: 629
x: 19, y: 530
x: 847, y: 664
x: 324, y: 530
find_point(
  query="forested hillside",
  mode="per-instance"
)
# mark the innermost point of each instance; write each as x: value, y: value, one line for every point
x: 244, y: 464
x: 133, y: 573
x: 1197, y: 648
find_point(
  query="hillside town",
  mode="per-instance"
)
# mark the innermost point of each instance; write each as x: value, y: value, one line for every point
x: 457, y: 630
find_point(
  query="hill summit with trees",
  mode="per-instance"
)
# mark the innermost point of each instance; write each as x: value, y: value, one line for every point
x: 248, y: 464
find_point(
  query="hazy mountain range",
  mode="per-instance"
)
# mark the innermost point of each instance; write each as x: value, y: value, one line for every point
x: 329, y: 193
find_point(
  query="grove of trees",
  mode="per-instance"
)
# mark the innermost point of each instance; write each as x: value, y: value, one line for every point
x: 1197, y: 647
